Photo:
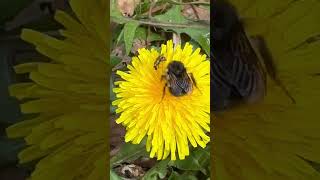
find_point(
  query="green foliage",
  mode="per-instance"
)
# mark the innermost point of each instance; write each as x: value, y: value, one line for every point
x: 171, y: 20
x: 114, y: 176
x: 199, y: 160
x: 160, y: 170
x: 141, y: 33
x: 129, y: 33
x: 200, y: 35
x: 128, y: 153
x: 114, y: 60
x: 186, y: 176
x: 173, y: 15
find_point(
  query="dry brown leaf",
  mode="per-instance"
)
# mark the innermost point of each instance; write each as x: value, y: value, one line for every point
x: 196, y: 12
x: 127, y: 7
x: 130, y: 171
x: 138, y: 44
x: 118, y: 51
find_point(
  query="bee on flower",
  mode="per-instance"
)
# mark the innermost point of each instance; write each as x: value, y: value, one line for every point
x: 166, y: 97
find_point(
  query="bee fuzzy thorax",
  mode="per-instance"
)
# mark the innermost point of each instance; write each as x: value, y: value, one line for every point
x: 178, y: 81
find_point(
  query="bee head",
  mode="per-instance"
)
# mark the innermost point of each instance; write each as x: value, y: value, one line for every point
x: 177, y: 68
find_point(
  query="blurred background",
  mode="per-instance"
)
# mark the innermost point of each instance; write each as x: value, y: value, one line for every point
x: 15, y: 15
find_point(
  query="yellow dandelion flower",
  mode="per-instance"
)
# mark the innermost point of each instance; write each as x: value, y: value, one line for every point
x: 168, y: 121
x: 274, y: 138
x: 68, y: 138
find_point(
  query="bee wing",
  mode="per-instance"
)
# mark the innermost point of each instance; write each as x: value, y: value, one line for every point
x: 180, y: 85
x: 185, y: 83
x: 236, y: 72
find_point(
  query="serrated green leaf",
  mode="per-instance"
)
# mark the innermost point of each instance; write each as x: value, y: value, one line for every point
x: 201, y: 36
x: 114, y: 176
x: 155, y: 37
x: 173, y: 15
x: 198, y: 160
x: 141, y: 33
x: 158, y: 171
x: 120, y: 37
x: 117, y: 33
x: 129, y: 31
x: 128, y: 152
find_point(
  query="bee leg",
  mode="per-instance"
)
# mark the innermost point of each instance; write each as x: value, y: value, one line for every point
x: 270, y: 66
x: 163, y: 77
x: 194, y: 81
x: 164, y: 91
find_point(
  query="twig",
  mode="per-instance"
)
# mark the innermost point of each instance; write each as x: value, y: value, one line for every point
x: 170, y: 24
x: 161, y: 24
x: 195, y: 11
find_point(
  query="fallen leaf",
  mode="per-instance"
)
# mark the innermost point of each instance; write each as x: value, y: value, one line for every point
x: 196, y: 12
x: 138, y: 44
x: 132, y: 171
x: 127, y: 7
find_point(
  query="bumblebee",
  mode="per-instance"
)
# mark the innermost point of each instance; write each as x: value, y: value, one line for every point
x: 178, y: 80
x: 240, y: 64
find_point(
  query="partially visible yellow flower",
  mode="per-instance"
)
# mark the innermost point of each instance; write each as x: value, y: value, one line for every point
x: 67, y: 138
x: 172, y: 122
x: 273, y: 139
